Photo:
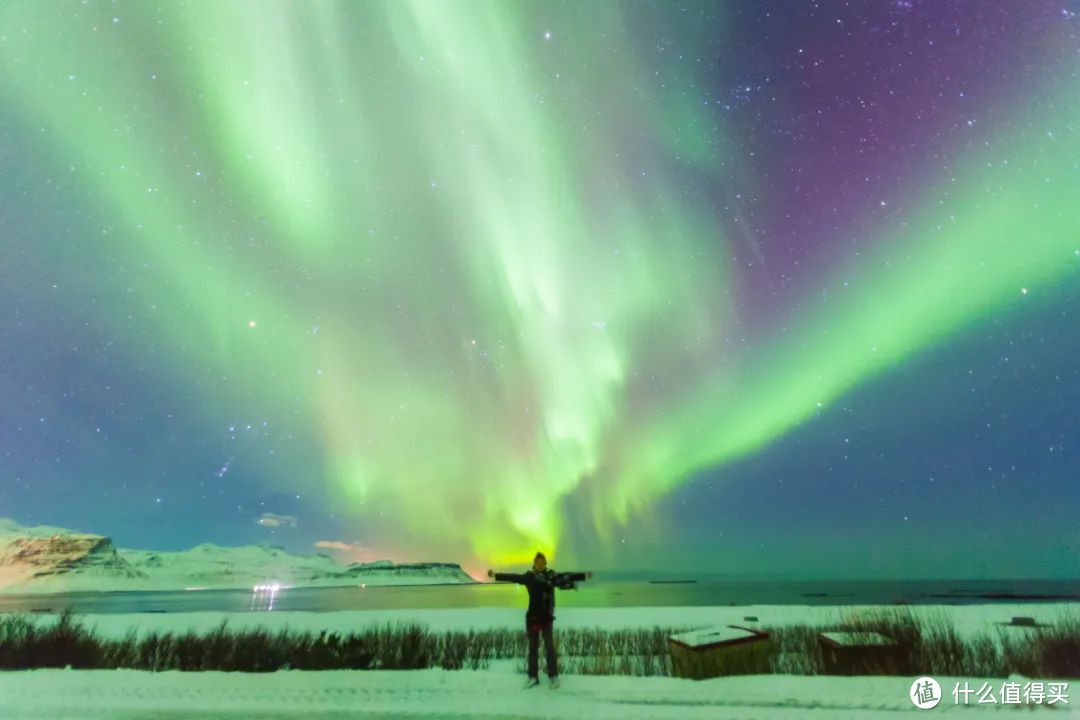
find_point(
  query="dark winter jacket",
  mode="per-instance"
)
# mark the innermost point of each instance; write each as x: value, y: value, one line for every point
x: 541, y: 587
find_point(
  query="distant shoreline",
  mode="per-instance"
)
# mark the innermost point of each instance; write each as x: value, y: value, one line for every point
x: 1006, y: 596
x: 672, y: 582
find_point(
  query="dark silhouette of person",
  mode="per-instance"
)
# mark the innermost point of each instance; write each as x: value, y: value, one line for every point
x: 541, y: 583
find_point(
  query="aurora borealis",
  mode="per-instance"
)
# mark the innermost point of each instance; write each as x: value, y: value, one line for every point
x: 770, y: 286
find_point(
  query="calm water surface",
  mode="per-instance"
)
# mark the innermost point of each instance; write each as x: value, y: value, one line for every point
x: 594, y: 593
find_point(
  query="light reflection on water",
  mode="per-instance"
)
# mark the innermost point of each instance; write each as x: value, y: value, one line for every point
x: 262, y: 596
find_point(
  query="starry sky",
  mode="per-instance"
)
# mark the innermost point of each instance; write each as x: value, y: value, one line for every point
x: 779, y: 287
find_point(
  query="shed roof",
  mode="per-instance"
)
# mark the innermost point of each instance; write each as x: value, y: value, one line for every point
x: 721, y: 635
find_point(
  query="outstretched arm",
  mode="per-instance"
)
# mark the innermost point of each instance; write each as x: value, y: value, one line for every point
x: 572, y: 577
x: 508, y: 577
x: 578, y: 576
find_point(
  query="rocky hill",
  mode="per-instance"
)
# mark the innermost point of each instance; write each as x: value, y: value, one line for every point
x: 77, y: 557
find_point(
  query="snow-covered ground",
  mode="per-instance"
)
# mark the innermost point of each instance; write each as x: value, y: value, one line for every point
x: 126, y: 694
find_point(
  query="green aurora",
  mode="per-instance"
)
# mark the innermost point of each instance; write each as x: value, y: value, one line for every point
x: 454, y: 252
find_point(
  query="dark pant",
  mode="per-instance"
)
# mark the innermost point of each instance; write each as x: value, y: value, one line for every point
x: 535, y: 630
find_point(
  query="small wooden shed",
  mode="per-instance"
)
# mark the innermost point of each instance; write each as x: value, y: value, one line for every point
x: 716, y: 651
x: 857, y: 653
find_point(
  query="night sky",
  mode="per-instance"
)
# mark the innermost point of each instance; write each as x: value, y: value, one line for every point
x: 781, y: 287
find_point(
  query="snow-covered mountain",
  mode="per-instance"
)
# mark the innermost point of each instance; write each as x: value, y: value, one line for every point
x: 48, y: 560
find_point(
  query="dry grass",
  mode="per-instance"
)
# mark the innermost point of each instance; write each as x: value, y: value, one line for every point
x: 922, y: 646
x: 931, y: 646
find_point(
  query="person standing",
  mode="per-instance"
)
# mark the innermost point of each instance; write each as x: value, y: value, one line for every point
x: 541, y: 582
